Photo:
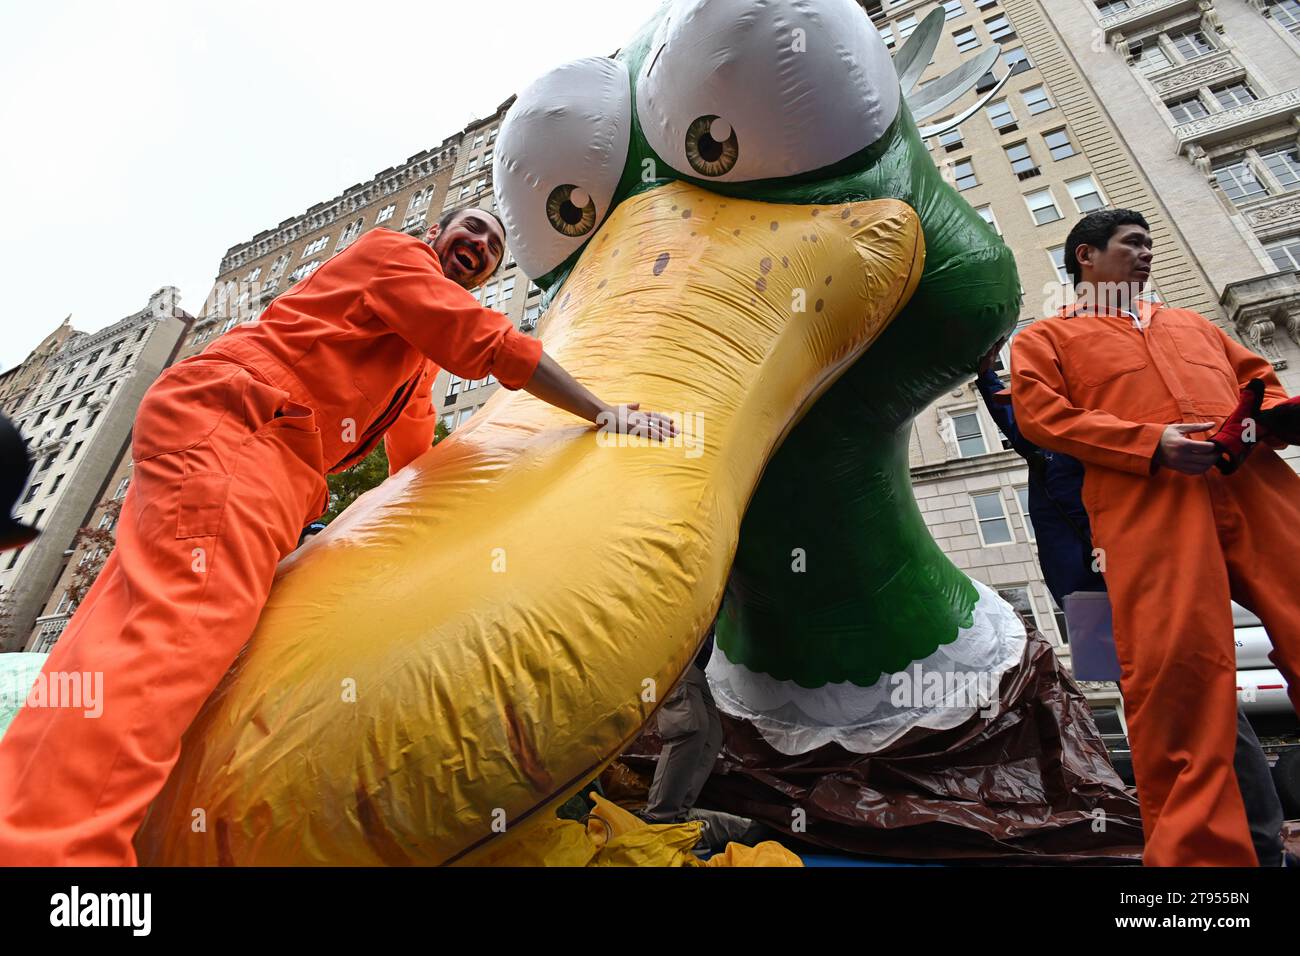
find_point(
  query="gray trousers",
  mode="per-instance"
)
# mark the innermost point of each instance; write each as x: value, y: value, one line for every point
x: 1263, y: 807
x: 692, y: 734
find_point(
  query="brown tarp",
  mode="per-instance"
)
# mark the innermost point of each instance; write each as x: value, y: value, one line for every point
x: 1031, y: 785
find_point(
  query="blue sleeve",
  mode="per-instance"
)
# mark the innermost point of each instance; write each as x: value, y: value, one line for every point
x: 988, y: 383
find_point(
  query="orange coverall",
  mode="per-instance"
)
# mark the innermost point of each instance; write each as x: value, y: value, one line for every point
x: 230, y: 449
x: 1176, y: 547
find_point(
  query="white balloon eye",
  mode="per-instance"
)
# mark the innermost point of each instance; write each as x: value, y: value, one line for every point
x: 559, y: 157
x: 735, y: 90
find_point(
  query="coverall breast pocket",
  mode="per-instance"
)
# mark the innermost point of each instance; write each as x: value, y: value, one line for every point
x: 1203, y: 349
x: 184, y: 407
x: 1102, y: 357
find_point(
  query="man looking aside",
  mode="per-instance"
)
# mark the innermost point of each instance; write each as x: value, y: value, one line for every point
x: 230, y: 450
x: 1125, y: 386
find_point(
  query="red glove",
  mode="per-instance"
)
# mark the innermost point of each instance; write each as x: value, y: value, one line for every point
x: 1233, y: 449
x: 1282, y: 422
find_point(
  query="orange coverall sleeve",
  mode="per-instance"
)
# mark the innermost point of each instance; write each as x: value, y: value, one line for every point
x: 412, y: 434
x: 1047, y: 417
x: 409, y: 294
x: 1248, y: 365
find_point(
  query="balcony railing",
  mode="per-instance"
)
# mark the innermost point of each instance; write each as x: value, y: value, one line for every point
x: 1240, y: 120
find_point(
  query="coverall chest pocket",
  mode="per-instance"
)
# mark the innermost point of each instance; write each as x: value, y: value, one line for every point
x: 1202, y: 348
x: 1097, y: 358
x: 184, y: 407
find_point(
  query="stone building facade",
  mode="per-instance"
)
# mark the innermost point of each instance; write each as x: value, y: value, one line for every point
x: 77, y: 420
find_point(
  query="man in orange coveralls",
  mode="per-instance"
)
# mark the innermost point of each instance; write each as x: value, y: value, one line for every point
x: 231, y: 448
x: 1124, y: 386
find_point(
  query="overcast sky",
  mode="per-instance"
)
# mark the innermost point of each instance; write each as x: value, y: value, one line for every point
x: 143, y: 138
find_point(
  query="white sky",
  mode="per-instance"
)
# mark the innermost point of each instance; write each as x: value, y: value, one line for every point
x: 139, y: 140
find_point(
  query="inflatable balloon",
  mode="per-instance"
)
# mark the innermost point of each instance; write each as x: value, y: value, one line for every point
x: 734, y: 220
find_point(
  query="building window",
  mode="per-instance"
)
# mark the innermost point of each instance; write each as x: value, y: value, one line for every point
x: 1191, y: 44
x: 1152, y: 59
x: 969, y: 435
x: 490, y: 296
x: 77, y: 447
x: 1287, y: 13
x: 386, y: 213
x: 951, y: 140
x: 966, y: 39
x: 1022, y: 496
x: 905, y: 26
x: 303, y: 271
x: 991, y: 518
x: 964, y: 174
x: 507, y: 288
x: 1016, y: 61
x: 463, y: 416
x: 952, y: 9
x: 1043, y: 207
x: 1085, y: 194
x: 106, y: 522
x: 453, y: 386
x: 64, y: 604
x: 279, y: 265
x: 16, y: 555
x: 32, y: 492
x: 251, y: 277
x: 1019, y: 598
x: 1186, y: 110
x: 349, y: 234
x: 121, y: 487
x: 1036, y: 100
x: 1106, y: 9
x: 1285, y: 253
x: 1234, y: 94
x: 986, y: 213
x: 1057, y: 255
x: 80, y: 382
x: 63, y: 409
x: 316, y: 245
x: 1238, y: 181
x: 117, y: 347
x: 1058, y: 141
x: 464, y: 190
x: 49, y: 460
x: 67, y: 429
x: 1000, y: 116
x: 1000, y: 28
x: 1284, y: 163
x: 1022, y: 162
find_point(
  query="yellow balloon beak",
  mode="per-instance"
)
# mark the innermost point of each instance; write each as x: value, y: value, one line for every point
x: 473, y: 641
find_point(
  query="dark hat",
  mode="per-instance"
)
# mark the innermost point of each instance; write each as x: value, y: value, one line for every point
x: 15, y: 466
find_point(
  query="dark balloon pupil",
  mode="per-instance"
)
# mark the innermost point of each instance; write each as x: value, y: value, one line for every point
x: 570, y: 213
x: 709, y: 148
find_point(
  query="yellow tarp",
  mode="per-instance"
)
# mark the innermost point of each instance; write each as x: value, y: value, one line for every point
x: 612, y: 836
